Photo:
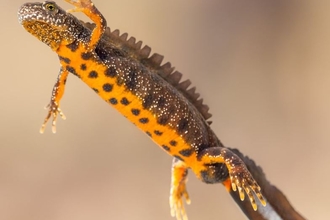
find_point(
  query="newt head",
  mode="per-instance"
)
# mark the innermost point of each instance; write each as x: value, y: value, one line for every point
x: 50, y: 23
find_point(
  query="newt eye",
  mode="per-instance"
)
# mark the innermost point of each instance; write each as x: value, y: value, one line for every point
x: 50, y: 6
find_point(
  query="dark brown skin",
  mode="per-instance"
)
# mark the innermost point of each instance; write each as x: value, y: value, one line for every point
x: 146, y: 93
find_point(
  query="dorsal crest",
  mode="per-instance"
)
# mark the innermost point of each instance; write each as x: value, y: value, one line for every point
x: 154, y: 62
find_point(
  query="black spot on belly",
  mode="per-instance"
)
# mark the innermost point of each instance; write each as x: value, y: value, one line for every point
x: 66, y: 60
x: 83, y: 66
x: 135, y: 111
x: 93, y: 74
x: 72, y: 70
x: 183, y: 125
x: 86, y: 56
x: 148, y: 133
x: 111, y: 72
x: 113, y: 101
x: 96, y: 90
x: 186, y: 152
x: 107, y: 87
x: 73, y: 46
x: 173, y: 143
x: 147, y: 101
x: 158, y: 133
x: 124, y: 101
x: 144, y: 120
x: 166, y: 148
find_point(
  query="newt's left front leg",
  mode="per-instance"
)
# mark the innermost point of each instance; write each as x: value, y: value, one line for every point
x: 89, y: 9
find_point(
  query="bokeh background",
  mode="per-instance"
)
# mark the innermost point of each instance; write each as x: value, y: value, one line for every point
x: 261, y: 65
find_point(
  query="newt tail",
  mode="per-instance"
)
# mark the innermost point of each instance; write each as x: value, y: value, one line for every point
x: 147, y: 93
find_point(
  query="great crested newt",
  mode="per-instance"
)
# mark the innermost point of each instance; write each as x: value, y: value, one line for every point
x: 148, y: 93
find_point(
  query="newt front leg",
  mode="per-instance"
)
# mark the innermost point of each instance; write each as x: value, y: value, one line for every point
x: 89, y: 9
x: 53, y: 106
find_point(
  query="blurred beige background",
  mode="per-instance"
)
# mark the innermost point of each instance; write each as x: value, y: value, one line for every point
x: 262, y: 66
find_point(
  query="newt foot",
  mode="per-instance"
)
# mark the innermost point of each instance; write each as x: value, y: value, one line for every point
x: 81, y: 5
x: 242, y: 180
x: 53, y: 111
x: 176, y: 201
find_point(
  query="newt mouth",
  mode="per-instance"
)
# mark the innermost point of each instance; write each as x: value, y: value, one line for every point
x: 25, y: 13
x: 21, y: 14
x: 37, y: 12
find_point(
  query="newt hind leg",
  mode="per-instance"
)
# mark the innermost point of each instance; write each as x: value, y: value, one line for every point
x: 240, y: 177
x: 178, y: 190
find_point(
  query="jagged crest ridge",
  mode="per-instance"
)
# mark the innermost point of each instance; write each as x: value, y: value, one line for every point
x: 166, y: 71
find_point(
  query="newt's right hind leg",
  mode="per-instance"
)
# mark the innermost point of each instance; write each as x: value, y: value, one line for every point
x: 178, y: 189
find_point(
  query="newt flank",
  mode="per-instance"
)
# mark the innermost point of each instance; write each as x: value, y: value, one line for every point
x: 150, y: 95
